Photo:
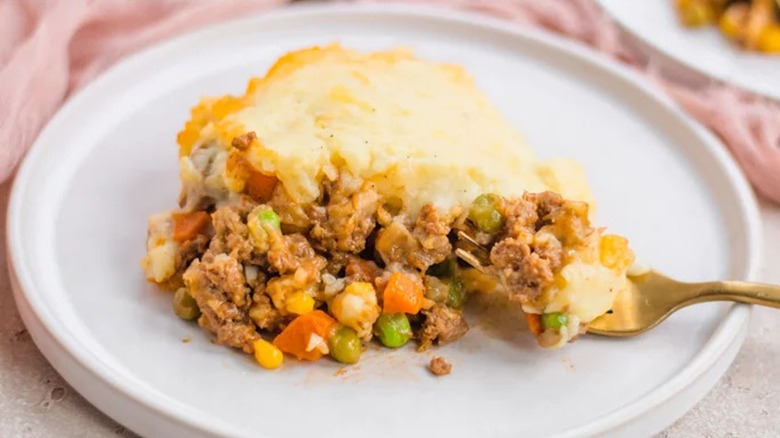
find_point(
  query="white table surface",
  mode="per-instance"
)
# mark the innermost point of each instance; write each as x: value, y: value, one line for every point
x: 36, y: 402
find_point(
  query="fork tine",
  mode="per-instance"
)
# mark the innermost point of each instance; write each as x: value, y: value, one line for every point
x: 471, y: 259
x: 471, y: 252
x: 464, y: 236
x: 470, y: 245
x: 477, y: 256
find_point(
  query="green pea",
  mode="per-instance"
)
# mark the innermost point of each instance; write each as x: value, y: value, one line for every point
x: 554, y: 320
x: 184, y: 306
x: 262, y: 221
x: 485, y: 215
x: 344, y: 345
x: 393, y: 330
x: 268, y: 216
x: 456, y: 293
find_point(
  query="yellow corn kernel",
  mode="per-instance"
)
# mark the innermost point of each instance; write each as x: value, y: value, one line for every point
x: 267, y: 355
x: 299, y: 303
x: 769, y: 39
x: 614, y: 252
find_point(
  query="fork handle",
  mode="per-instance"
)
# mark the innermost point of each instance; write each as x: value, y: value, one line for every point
x: 739, y: 291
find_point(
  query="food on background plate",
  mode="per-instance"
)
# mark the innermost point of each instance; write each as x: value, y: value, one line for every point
x: 319, y: 211
x: 753, y: 24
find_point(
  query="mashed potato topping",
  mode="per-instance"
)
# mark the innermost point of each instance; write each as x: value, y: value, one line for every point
x: 420, y: 131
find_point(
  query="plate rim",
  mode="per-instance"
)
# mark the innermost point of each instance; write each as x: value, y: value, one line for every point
x: 78, y: 355
x: 735, y: 80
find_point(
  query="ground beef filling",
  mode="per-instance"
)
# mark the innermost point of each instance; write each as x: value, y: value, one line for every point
x: 442, y: 325
x: 541, y: 228
x: 439, y: 366
x: 353, y: 236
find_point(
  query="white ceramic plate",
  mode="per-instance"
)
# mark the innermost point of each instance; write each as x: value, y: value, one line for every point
x: 655, y: 23
x: 77, y: 224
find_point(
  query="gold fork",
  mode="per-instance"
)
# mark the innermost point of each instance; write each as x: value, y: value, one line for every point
x: 651, y: 299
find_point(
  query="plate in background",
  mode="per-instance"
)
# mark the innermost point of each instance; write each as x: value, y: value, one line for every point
x: 704, y: 50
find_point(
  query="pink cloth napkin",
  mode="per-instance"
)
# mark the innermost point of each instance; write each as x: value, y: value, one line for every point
x: 49, y: 49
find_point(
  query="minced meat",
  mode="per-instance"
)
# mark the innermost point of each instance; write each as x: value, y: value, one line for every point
x: 419, y: 245
x: 348, y: 218
x: 439, y: 366
x: 431, y: 231
x: 188, y: 251
x: 232, y: 234
x: 293, y: 252
x: 538, y: 226
x: 442, y: 324
x: 217, y: 284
